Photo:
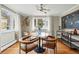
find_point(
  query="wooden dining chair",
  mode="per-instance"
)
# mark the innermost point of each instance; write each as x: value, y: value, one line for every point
x: 27, y: 45
x: 51, y: 43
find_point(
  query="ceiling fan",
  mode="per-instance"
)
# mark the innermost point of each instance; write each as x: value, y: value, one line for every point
x: 42, y: 8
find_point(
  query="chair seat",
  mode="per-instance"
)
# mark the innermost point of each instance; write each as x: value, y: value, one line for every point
x: 28, y: 47
x: 51, y: 46
x: 50, y: 43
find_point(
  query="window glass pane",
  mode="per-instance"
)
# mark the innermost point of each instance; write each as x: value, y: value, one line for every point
x: 44, y: 21
x: 7, y: 21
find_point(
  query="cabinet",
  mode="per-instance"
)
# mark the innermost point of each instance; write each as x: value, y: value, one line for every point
x: 70, y: 40
x: 74, y: 40
x: 58, y: 33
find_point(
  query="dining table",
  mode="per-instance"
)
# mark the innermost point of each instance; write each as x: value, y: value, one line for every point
x: 39, y: 48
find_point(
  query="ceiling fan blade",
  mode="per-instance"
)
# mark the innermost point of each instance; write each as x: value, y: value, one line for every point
x: 44, y: 12
x: 43, y: 5
x: 46, y: 9
x: 42, y: 8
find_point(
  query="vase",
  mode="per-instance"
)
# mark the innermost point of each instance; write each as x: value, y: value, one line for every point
x: 75, y: 31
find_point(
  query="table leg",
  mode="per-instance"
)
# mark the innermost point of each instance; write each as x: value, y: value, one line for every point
x: 39, y: 49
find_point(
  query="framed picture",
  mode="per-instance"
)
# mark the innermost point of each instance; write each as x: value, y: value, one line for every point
x: 71, y: 21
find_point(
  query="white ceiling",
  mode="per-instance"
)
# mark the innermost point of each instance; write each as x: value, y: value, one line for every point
x: 30, y: 9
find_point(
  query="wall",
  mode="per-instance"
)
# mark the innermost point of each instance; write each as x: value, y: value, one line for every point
x: 25, y: 27
x: 44, y: 18
x: 0, y: 11
x: 71, y: 10
x: 54, y: 24
x: 7, y: 38
x: 14, y: 20
x: 75, y: 8
x: 18, y: 26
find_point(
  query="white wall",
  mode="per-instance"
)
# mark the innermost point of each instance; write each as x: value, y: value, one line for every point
x: 71, y: 10
x: 0, y: 11
x: 24, y: 26
x: 18, y: 26
x: 7, y: 37
x: 54, y: 24
x: 47, y: 18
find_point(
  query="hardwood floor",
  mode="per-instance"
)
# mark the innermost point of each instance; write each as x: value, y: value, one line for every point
x: 61, y: 49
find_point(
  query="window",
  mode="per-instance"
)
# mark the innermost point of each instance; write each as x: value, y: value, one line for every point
x: 7, y: 21
x: 45, y: 23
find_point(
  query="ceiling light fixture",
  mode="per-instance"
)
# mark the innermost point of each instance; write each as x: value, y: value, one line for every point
x: 42, y: 8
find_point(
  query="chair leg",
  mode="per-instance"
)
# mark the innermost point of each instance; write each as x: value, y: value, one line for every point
x: 47, y: 50
x: 26, y: 52
x: 55, y: 50
x: 19, y: 48
x: 19, y: 51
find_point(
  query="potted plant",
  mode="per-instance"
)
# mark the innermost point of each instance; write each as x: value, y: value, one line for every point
x: 40, y: 25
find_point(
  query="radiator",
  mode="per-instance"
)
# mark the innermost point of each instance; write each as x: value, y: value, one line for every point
x: 7, y: 38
